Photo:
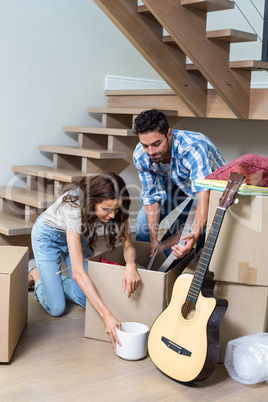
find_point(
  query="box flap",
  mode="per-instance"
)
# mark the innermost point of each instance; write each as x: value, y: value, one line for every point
x: 10, y: 256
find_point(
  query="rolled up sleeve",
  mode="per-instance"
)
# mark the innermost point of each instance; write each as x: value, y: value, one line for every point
x: 151, y: 193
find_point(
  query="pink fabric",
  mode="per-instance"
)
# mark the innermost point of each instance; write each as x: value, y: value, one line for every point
x: 107, y: 262
x: 253, y: 167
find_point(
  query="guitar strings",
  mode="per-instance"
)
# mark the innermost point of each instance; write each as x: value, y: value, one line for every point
x: 195, y: 287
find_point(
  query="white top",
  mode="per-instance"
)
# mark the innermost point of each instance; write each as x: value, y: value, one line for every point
x: 61, y: 217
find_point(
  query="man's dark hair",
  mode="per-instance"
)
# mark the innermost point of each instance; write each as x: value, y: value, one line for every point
x: 151, y: 120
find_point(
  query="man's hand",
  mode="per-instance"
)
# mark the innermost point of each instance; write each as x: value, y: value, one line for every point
x: 198, y: 226
x: 131, y: 279
x: 152, y: 247
x: 153, y: 215
x: 180, y: 252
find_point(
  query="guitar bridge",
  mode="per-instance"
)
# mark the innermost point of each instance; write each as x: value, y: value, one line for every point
x: 174, y: 346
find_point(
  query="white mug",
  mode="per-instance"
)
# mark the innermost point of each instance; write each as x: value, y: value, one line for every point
x: 134, y: 340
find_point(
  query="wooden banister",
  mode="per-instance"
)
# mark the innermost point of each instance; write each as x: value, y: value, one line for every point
x: 145, y: 33
x: 187, y: 27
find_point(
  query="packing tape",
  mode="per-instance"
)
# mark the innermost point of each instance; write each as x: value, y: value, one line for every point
x: 247, y: 274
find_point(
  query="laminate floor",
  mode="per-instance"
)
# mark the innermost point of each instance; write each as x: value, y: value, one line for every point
x: 54, y: 362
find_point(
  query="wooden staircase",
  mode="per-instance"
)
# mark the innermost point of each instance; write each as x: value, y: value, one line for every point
x: 99, y: 149
x: 110, y: 147
x: 185, y: 21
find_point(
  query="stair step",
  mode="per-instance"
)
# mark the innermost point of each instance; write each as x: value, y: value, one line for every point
x: 51, y: 173
x: 27, y: 197
x: 250, y: 65
x: 227, y: 35
x: 143, y: 10
x: 138, y: 92
x: 232, y: 35
x: 99, y: 130
x: 83, y: 152
x: 209, y: 5
x: 124, y: 110
x: 12, y: 226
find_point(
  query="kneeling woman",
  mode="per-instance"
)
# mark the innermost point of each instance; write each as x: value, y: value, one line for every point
x: 68, y: 228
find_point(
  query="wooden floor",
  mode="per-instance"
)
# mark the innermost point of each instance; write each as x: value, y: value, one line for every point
x: 54, y: 362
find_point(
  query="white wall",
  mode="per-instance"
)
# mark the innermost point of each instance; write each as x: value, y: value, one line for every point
x: 55, y: 55
x: 233, y: 137
x: 246, y: 16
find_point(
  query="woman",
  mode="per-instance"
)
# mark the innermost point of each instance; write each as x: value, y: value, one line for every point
x: 68, y: 228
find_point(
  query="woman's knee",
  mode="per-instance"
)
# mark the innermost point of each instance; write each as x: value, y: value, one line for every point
x: 57, y: 310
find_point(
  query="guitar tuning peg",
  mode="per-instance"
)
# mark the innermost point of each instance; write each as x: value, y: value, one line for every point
x: 236, y: 201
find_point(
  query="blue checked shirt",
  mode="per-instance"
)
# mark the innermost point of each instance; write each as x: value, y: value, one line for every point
x: 193, y: 156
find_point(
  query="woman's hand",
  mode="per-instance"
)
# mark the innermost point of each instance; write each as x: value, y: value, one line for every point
x: 110, y: 324
x: 131, y: 279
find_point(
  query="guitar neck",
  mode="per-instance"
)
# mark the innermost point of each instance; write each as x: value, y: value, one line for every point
x: 205, y: 257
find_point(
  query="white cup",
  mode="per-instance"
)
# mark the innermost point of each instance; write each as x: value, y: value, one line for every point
x: 134, y: 339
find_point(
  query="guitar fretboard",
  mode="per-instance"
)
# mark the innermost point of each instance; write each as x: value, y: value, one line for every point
x: 205, y: 257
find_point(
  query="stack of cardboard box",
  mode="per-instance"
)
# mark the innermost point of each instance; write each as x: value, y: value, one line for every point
x: 239, y: 263
x: 240, y: 266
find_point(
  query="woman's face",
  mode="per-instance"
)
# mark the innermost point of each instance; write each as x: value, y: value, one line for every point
x: 107, y: 209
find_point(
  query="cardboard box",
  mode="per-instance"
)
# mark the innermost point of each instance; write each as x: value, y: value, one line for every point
x: 149, y: 300
x: 246, y: 314
x: 247, y: 310
x: 241, y: 251
x: 13, y: 298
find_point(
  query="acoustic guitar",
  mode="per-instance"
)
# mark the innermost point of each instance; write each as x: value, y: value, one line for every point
x: 184, y: 340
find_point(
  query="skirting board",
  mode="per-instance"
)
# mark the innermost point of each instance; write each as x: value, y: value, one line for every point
x: 123, y: 83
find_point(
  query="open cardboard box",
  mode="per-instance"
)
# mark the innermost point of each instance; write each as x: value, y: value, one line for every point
x: 145, y: 304
x: 241, y: 250
x: 13, y: 298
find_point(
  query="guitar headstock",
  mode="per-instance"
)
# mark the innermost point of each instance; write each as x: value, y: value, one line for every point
x: 234, y: 182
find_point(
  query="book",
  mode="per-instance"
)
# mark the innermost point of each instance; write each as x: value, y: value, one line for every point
x: 219, y: 185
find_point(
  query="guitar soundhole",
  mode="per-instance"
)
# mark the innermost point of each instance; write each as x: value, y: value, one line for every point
x: 188, y: 310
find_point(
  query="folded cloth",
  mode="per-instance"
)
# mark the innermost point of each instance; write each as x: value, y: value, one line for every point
x: 253, y: 167
x: 114, y: 263
x: 107, y: 262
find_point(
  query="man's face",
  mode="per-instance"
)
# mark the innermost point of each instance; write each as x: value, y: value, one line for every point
x: 156, y: 145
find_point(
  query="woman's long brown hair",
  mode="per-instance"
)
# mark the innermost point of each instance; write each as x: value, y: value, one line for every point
x: 91, y: 191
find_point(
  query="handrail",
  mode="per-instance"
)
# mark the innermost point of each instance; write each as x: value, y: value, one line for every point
x: 264, y: 40
x: 264, y: 56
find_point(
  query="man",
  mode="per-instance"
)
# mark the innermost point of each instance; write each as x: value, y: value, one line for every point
x: 168, y: 162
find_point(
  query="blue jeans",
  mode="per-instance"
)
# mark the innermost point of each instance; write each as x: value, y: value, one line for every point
x: 51, y: 290
x: 174, y: 198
